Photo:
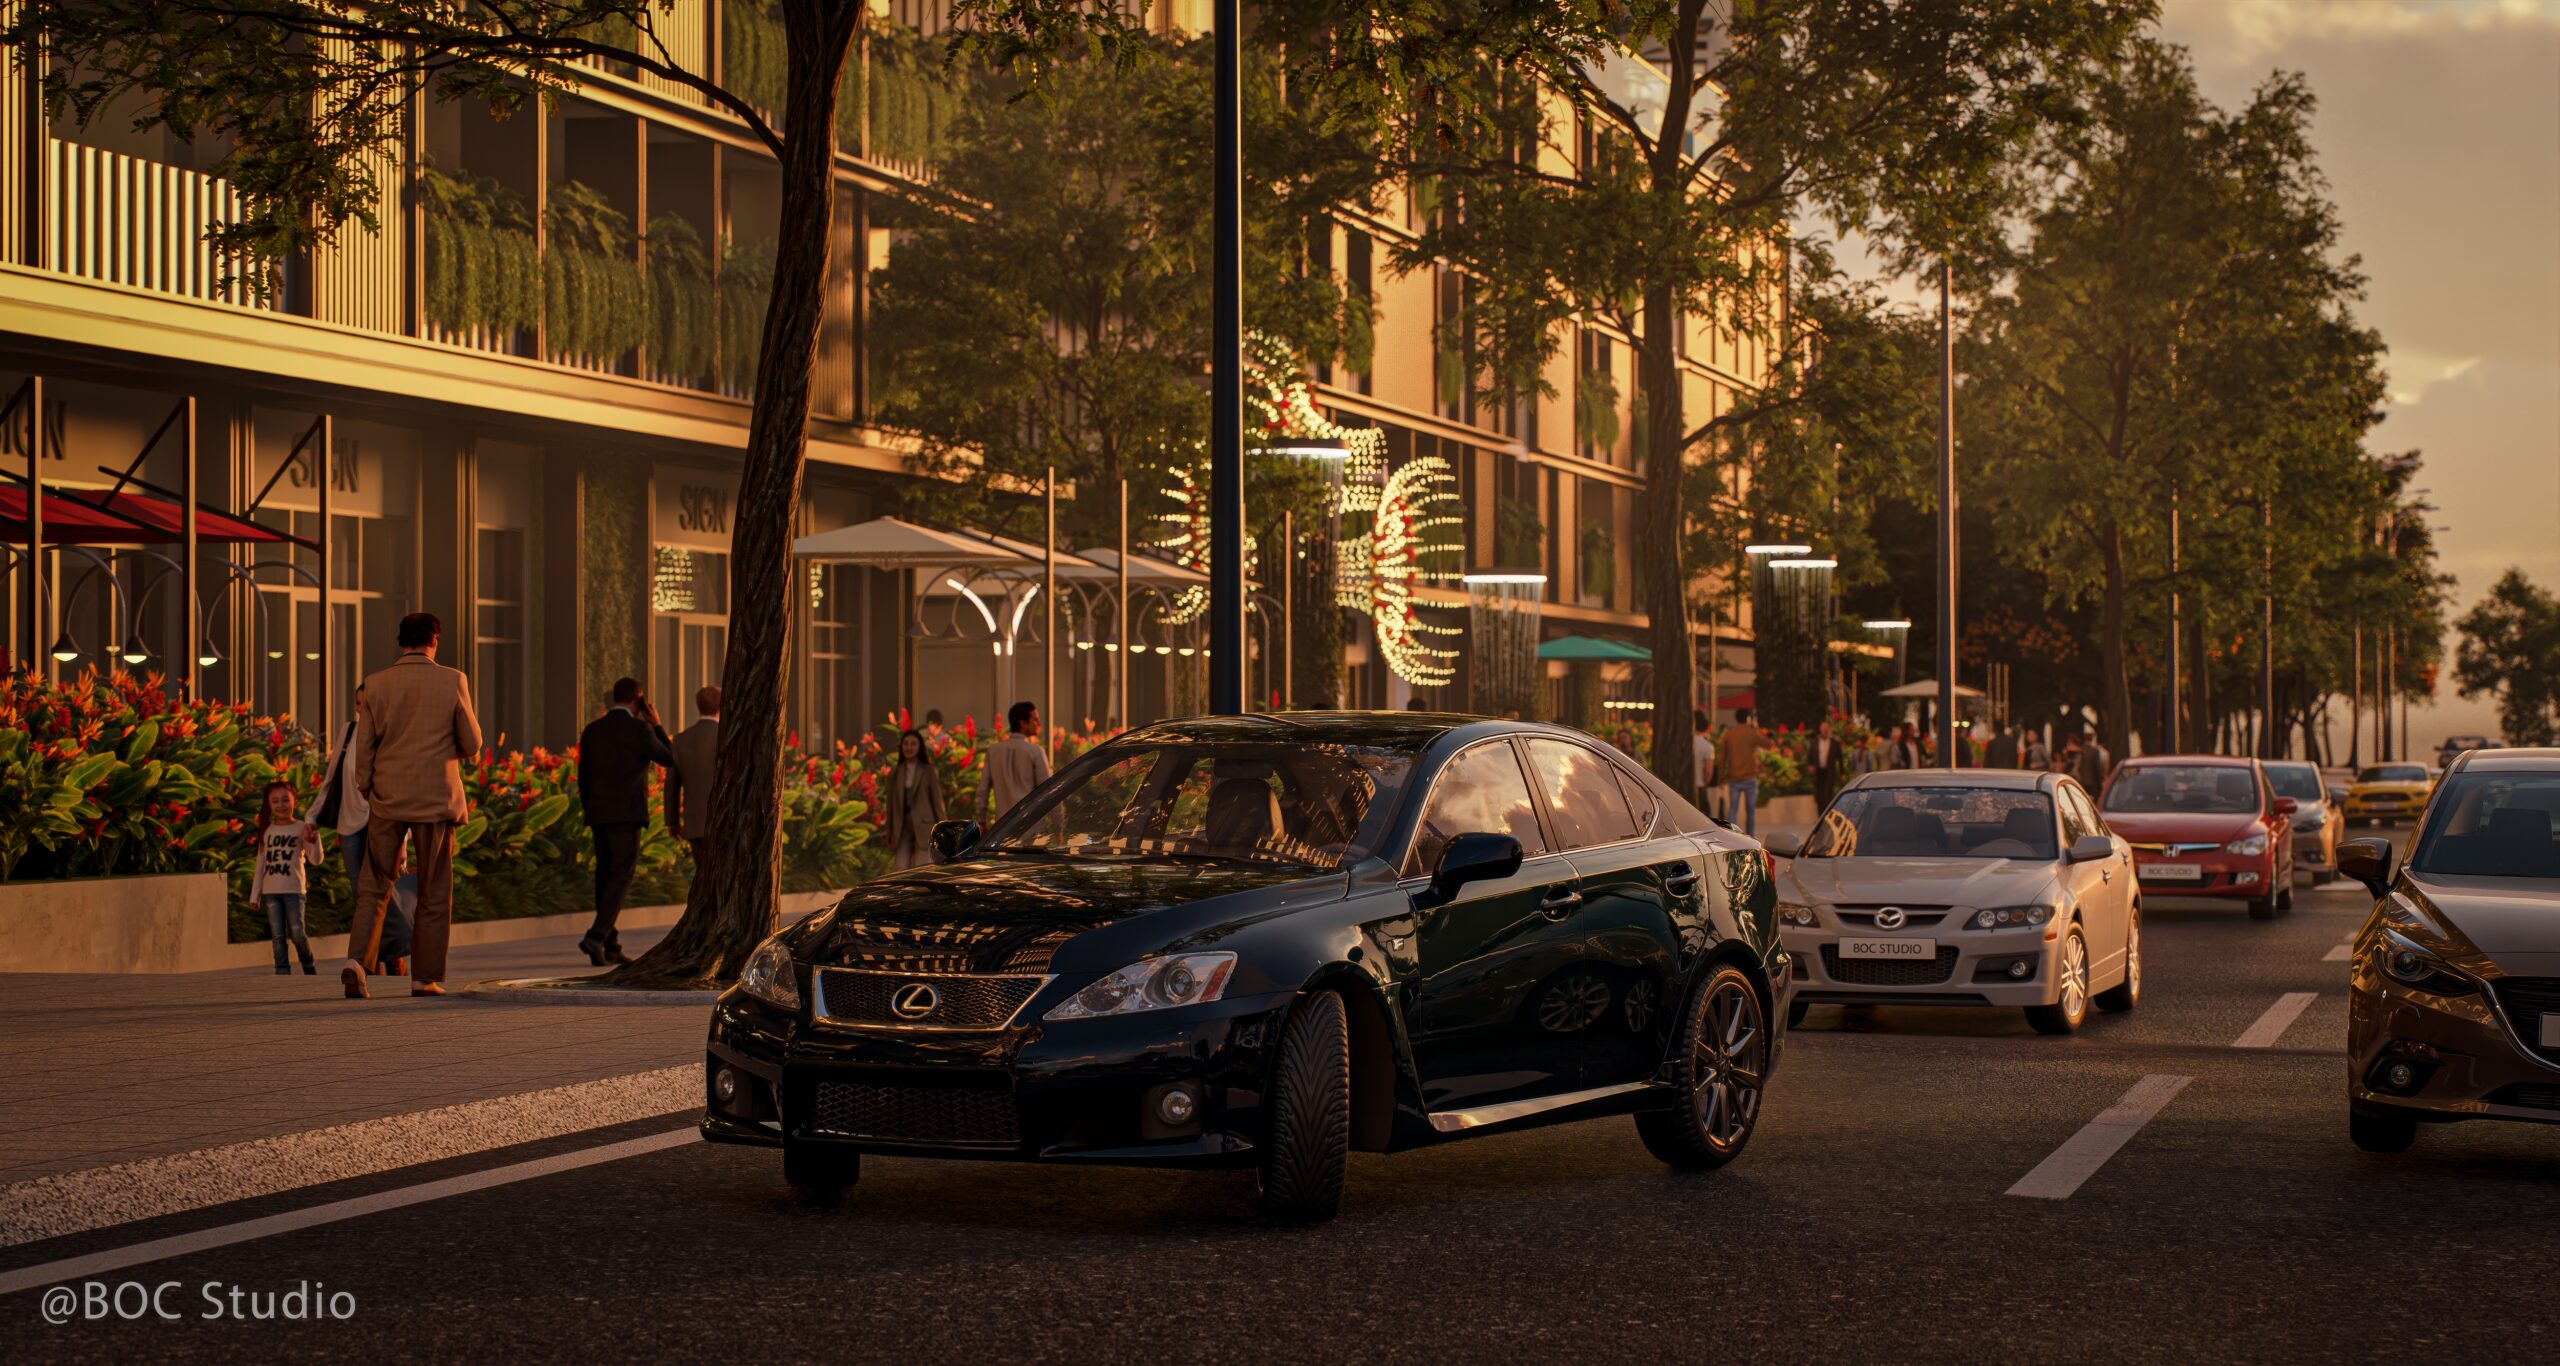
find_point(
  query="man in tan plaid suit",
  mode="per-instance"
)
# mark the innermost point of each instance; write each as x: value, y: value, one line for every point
x: 414, y: 730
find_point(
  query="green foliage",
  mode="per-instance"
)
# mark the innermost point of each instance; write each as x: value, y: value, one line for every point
x: 913, y: 99
x: 2511, y: 649
x: 1599, y: 556
x: 684, y: 335
x: 1595, y: 411
x: 595, y: 300
x: 754, y: 59
x: 613, y: 535
x: 483, y: 270
x: 1519, y: 536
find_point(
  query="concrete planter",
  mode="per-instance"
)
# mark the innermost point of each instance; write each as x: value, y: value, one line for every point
x: 178, y: 923
x: 1795, y: 810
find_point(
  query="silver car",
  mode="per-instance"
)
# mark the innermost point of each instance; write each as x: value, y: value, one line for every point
x: 2316, y: 819
x: 1979, y: 887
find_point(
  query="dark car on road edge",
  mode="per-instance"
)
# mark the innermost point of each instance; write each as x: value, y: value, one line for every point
x: 1263, y: 942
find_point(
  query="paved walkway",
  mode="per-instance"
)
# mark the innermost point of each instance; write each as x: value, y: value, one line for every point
x: 108, y: 1069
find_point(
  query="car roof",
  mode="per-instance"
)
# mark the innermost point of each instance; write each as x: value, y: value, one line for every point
x: 1413, y: 730
x: 2199, y: 760
x: 2020, y: 779
x: 2507, y: 761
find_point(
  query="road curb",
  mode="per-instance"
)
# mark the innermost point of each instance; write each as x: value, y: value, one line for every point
x: 580, y: 991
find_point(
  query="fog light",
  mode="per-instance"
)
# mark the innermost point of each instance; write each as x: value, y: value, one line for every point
x: 724, y: 1084
x: 1176, y: 1107
x: 2399, y: 1076
x: 2244, y: 879
x: 2020, y: 968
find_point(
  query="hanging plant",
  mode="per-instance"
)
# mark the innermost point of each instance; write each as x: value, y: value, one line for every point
x: 1449, y: 368
x: 595, y: 305
x: 482, y: 268
x: 1519, y: 537
x: 751, y: 52
x: 746, y: 285
x: 683, y: 331
x: 1595, y: 410
x: 1599, y: 562
x: 910, y: 96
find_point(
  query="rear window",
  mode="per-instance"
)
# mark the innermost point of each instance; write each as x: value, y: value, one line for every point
x: 2150, y: 788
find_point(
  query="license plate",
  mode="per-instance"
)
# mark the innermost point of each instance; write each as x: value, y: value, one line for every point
x: 2170, y: 872
x: 1924, y: 950
x: 2551, y: 1031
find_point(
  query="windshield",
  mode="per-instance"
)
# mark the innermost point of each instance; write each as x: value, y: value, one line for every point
x: 1256, y: 801
x: 1935, y: 822
x: 2298, y: 781
x: 2492, y: 825
x: 2222, y: 789
x: 2392, y: 773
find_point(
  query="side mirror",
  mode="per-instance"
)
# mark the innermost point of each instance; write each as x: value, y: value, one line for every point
x: 2286, y: 806
x: 2091, y: 848
x: 1784, y: 846
x: 1473, y: 858
x: 2368, y: 862
x: 951, y: 839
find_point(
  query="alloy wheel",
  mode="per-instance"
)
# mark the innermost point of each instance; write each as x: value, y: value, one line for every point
x: 2075, y: 976
x: 1729, y: 1066
x: 1571, y: 1005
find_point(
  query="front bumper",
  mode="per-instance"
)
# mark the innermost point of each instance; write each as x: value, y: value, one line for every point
x: 2220, y: 875
x: 2381, y: 808
x: 1969, y: 967
x: 2468, y: 1059
x: 1082, y: 1091
x: 2316, y: 850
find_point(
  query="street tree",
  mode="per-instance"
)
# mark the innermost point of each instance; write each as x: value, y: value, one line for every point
x: 2511, y: 650
x: 309, y: 95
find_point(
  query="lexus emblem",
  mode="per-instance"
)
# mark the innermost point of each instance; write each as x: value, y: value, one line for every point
x: 1890, y: 918
x: 914, y: 1001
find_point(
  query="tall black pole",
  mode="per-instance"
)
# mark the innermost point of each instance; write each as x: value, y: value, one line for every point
x: 1946, y: 515
x: 1226, y: 660
x: 2177, y: 625
x: 2267, y: 631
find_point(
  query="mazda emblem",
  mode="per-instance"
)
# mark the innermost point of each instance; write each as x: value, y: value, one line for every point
x: 1890, y: 918
x: 914, y: 1001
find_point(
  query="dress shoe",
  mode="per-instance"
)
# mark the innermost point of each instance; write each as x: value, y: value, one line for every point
x: 427, y: 989
x: 397, y: 967
x: 353, y: 978
x: 308, y: 969
x: 594, y: 950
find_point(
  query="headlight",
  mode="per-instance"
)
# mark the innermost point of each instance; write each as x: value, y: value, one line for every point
x: 2414, y: 966
x: 768, y: 975
x: 2009, y: 917
x: 1180, y: 979
x: 1790, y: 913
x: 2248, y: 844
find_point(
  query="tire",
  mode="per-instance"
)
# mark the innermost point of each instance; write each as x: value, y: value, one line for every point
x: 1724, y: 1062
x: 1309, y: 1147
x: 2071, y: 980
x: 1796, y: 1013
x: 2284, y: 898
x: 2264, y: 908
x: 2381, y: 1133
x: 2127, y: 994
x: 820, y: 1174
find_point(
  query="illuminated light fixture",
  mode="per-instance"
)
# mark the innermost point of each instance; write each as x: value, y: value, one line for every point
x: 1313, y: 447
x: 65, y: 649
x: 313, y: 655
x: 1164, y: 649
x: 1186, y: 652
x: 1112, y: 646
x: 1892, y: 624
x: 134, y: 651
x: 1482, y: 580
x: 1777, y: 550
x: 274, y: 653
x: 1084, y: 644
x: 978, y: 602
x: 1804, y: 564
x: 1628, y: 706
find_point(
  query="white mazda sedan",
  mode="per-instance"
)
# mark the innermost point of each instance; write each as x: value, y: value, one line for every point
x: 1963, y: 887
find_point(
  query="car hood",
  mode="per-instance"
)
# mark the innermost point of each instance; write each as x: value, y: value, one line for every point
x: 2184, y: 827
x: 2513, y: 920
x: 1015, y: 913
x: 1974, y: 882
x: 2399, y: 789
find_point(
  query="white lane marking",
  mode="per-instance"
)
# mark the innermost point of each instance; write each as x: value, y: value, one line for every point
x: 102, y: 1197
x: 2279, y: 1017
x: 159, y: 1249
x: 2083, y: 1153
x: 2340, y: 954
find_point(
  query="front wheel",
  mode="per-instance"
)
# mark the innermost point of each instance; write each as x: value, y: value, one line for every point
x: 2125, y: 995
x: 1309, y: 1147
x: 2071, y: 999
x: 1724, y: 1061
x: 820, y: 1174
x: 2381, y: 1133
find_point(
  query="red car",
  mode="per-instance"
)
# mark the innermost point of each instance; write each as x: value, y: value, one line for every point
x: 2204, y: 825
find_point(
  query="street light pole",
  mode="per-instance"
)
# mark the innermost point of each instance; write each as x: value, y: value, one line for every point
x: 2177, y: 669
x: 1946, y: 513
x: 2267, y: 630
x: 1226, y: 662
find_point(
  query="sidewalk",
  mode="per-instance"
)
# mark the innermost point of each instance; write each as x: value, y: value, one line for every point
x: 109, y: 1069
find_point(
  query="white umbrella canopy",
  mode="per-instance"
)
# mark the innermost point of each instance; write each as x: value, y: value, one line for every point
x: 890, y: 543
x: 1928, y: 687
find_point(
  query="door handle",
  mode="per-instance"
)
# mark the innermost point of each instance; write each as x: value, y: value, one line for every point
x: 1682, y: 882
x: 1557, y: 904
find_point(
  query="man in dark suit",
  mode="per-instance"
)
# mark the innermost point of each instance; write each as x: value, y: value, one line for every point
x: 2001, y: 750
x: 614, y: 754
x: 1825, y: 757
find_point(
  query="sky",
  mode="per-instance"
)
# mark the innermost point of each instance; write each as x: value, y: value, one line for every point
x: 2438, y: 127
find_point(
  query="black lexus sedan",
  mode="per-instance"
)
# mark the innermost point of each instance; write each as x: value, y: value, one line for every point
x: 1262, y: 942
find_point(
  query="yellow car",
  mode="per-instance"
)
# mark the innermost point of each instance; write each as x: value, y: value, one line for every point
x: 2388, y: 792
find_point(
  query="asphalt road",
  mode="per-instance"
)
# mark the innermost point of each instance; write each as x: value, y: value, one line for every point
x: 1869, y: 1220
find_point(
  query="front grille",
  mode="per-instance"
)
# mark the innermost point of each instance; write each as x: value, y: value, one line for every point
x: 1887, y: 972
x: 913, y: 1114
x: 2527, y: 1095
x: 849, y: 996
x: 2174, y: 849
x: 2526, y: 1000
x: 1912, y: 920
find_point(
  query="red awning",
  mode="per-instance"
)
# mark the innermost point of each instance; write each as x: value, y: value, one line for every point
x: 96, y: 517
x: 1736, y: 701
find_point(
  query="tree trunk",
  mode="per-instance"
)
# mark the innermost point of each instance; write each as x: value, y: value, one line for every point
x: 2115, y: 706
x: 1666, y: 579
x: 735, y: 893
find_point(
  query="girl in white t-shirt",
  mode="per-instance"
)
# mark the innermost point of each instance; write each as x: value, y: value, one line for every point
x: 286, y: 845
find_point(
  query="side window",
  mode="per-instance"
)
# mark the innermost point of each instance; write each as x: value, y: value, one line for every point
x: 2077, y: 817
x: 1639, y: 798
x: 1481, y: 791
x: 1582, y: 794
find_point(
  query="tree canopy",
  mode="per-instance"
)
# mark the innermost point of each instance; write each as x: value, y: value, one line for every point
x: 2511, y: 650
